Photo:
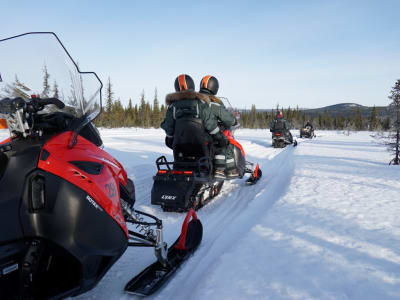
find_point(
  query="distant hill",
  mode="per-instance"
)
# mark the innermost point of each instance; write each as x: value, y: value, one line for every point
x: 344, y: 109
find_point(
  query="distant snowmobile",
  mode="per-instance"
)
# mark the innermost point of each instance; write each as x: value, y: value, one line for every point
x: 65, y: 202
x: 188, y: 181
x: 280, y: 140
x: 307, y: 132
x: 281, y: 135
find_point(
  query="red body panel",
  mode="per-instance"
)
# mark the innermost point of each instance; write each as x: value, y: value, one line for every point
x: 5, y: 141
x: 235, y: 143
x: 104, y: 188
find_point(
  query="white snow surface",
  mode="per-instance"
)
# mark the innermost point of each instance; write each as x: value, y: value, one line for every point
x: 322, y: 223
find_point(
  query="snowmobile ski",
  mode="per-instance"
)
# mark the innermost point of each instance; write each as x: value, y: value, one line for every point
x: 152, y: 278
x: 255, y: 176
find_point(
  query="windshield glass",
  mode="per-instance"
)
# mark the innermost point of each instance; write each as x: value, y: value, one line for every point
x: 234, y: 111
x: 38, y: 64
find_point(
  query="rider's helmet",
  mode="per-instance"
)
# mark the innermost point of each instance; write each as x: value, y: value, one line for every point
x: 184, y: 82
x: 279, y: 115
x: 209, y: 85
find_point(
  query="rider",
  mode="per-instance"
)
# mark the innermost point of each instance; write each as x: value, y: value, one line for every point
x: 224, y: 158
x: 309, y: 124
x: 280, y: 124
x: 187, y: 102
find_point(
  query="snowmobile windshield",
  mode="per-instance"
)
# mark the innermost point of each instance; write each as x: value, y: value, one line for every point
x: 38, y: 64
x: 234, y: 111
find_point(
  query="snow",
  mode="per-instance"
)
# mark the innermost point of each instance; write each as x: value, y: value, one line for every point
x: 322, y: 223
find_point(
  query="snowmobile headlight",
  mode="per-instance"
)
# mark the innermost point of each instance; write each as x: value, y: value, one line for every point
x: 37, y: 193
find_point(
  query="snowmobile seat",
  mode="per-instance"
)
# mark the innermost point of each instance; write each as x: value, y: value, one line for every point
x: 191, y: 141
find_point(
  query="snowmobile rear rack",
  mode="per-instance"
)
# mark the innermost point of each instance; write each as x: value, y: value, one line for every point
x: 203, y: 165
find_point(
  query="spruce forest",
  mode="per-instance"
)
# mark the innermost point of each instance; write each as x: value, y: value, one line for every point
x: 150, y: 113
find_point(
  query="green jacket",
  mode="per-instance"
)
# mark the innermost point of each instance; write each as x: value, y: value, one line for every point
x: 189, y: 103
x: 279, y: 124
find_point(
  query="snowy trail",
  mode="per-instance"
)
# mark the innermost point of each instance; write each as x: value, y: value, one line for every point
x: 226, y: 223
x: 322, y: 223
x: 228, y: 217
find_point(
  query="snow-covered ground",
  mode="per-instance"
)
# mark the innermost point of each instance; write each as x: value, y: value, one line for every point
x: 322, y: 223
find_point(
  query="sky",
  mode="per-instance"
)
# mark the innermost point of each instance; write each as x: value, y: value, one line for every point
x: 292, y: 53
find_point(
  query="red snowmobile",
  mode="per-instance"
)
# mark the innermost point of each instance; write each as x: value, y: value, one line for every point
x: 65, y: 203
x: 189, y: 182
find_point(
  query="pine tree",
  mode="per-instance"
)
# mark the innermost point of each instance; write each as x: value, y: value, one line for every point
x: 394, y: 144
x: 320, y: 122
x: 340, y: 122
x: 129, y: 114
x: 156, y: 119
x: 46, y: 85
x: 358, y: 122
x: 147, y: 115
x: 117, y: 114
x: 109, y: 96
x: 163, y: 111
x: 136, y: 115
x: 386, y: 123
x: 253, y: 117
x: 373, y: 120
x: 55, y: 90
x: 142, y: 111
x: 74, y: 91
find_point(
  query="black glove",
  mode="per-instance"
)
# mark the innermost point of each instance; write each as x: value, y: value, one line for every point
x: 169, y: 141
x: 221, y: 139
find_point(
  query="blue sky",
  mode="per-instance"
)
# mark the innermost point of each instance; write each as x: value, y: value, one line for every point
x: 305, y: 53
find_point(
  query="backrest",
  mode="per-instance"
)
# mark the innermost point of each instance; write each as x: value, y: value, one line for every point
x: 279, y: 125
x: 191, y: 141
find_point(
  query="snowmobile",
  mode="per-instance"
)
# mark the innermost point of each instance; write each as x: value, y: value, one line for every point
x: 280, y: 140
x: 188, y: 181
x: 65, y: 203
x: 307, y: 132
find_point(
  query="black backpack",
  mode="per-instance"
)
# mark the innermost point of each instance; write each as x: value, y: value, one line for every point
x: 279, y: 125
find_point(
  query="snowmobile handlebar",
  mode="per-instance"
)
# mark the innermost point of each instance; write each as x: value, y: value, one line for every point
x: 35, y: 104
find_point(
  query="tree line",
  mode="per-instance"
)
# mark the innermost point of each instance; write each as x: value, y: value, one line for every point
x: 325, y: 121
x: 144, y: 115
x: 148, y: 114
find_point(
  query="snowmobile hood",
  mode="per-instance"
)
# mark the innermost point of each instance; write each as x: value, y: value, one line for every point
x: 190, y: 95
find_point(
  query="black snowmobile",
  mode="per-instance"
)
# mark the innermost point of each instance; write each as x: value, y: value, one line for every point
x: 188, y: 181
x: 281, y: 140
x: 65, y: 204
x: 307, y: 132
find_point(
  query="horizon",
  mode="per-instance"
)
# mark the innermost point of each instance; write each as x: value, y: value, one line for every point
x: 321, y: 107
x: 263, y: 53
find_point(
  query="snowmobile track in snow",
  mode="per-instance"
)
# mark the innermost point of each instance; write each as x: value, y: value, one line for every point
x: 230, y: 215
